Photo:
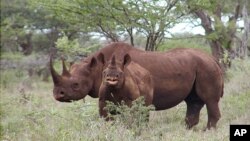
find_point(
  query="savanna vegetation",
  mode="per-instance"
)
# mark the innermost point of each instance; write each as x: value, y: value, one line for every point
x: 29, y: 112
x: 32, y: 30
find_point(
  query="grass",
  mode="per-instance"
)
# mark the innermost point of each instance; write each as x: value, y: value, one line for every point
x: 198, y: 43
x: 29, y: 112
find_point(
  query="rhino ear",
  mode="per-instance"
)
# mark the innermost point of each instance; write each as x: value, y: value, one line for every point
x: 127, y: 60
x: 100, y: 57
x: 93, y: 62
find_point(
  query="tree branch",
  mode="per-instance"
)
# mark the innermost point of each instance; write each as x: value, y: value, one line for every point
x: 205, y: 21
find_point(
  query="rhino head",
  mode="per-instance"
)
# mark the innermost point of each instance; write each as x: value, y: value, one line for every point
x: 77, y: 82
x: 113, y: 74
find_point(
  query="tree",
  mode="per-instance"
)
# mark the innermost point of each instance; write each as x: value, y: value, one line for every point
x: 119, y: 19
x: 21, y: 23
x: 219, y: 19
x: 242, y: 49
x: 14, y: 25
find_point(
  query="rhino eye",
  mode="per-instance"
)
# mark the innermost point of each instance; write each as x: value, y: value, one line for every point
x: 75, y: 86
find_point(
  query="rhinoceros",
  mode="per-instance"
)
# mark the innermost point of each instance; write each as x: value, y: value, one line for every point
x: 178, y: 75
x: 124, y: 82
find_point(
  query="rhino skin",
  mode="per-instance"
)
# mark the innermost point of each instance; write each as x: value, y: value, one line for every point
x: 124, y: 81
x: 178, y: 75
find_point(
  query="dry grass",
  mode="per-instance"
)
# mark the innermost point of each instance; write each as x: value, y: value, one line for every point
x: 29, y: 112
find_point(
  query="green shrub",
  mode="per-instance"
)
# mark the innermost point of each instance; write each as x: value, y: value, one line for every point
x: 135, y: 117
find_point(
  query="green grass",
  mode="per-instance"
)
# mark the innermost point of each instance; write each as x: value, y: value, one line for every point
x: 29, y: 113
x: 197, y: 43
x: 11, y: 56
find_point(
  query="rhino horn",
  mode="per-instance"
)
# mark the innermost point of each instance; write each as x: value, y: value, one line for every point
x: 113, y: 61
x: 55, y: 76
x: 65, y: 71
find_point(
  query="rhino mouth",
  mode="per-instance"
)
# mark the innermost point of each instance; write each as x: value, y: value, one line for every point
x: 112, y: 81
x: 62, y: 98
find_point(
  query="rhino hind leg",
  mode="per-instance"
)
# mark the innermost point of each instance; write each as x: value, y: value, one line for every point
x: 210, y: 93
x: 194, y: 106
x: 193, y: 114
x: 213, y: 114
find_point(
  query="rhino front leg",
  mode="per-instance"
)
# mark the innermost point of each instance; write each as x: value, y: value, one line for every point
x: 103, y: 91
x: 102, y: 111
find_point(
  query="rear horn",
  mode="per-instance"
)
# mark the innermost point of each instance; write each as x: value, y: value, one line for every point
x: 65, y: 71
x: 55, y: 76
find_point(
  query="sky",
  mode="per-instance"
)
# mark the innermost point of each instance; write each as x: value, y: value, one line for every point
x: 188, y: 27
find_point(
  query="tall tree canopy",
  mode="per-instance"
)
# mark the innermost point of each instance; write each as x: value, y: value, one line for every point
x: 119, y: 20
x: 219, y: 20
x: 149, y: 21
x: 20, y: 22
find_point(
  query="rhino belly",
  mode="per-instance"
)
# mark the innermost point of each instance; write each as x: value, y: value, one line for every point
x: 167, y: 98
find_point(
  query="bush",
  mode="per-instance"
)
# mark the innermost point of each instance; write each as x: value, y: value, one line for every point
x: 135, y: 117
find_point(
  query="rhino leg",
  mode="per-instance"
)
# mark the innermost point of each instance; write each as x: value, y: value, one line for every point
x: 194, y: 106
x: 213, y: 114
x: 210, y: 93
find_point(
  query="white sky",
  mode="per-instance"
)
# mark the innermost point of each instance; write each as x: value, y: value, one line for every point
x: 185, y: 27
x: 188, y: 27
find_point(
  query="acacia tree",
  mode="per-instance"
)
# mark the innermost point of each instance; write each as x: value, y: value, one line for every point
x: 21, y: 23
x: 14, y: 21
x: 153, y: 19
x: 219, y: 20
x: 119, y: 18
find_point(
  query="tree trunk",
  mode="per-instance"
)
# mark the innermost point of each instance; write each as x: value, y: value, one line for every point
x: 221, y: 47
x: 151, y: 42
x: 219, y: 54
x: 26, y: 45
x: 131, y: 37
x: 242, y: 51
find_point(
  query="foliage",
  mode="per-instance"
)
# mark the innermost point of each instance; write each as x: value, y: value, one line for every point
x: 13, y: 20
x: 117, y: 19
x: 135, y: 117
x: 72, y: 48
x: 140, y: 22
x: 198, y: 43
x: 219, y: 20
x: 63, y: 44
x: 21, y: 19
x: 226, y: 59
